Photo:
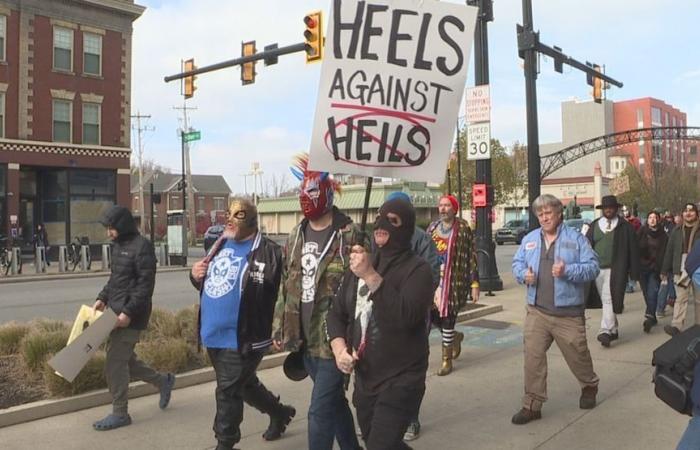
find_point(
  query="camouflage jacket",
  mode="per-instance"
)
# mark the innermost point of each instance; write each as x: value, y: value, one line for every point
x: 286, y: 326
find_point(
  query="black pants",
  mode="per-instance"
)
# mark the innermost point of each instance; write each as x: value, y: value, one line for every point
x: 383, y: 417
x: 237, y: 382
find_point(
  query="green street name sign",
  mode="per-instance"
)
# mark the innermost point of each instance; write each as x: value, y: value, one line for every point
x: 193, y: 136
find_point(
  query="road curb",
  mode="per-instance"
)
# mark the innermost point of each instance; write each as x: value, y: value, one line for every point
x: 53, y: 407
x: 73, y: 276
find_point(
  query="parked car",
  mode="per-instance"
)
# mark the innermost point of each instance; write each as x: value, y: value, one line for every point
x: 580, y: 225
x: 211, y: 235
x: 514, y: 231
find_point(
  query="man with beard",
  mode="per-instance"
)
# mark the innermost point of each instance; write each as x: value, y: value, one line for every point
x: 238, y: 283
x: 613, y: 238
x: 459, y: 276
x: 555, y: 262
x: 652, y: 246
x: 317, y: 253
x: 377, y: 327
x: 680, y: 243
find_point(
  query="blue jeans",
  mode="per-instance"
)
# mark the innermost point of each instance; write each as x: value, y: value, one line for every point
x: 691, y: 437
x: 649, y: 281
x: 666, y: 291
x: 329, y: 412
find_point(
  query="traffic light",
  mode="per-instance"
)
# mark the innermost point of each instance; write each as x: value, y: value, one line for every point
x: 597, y: 87
x: 189, y: 81
x: 248, y: 69
x: 313, y: 36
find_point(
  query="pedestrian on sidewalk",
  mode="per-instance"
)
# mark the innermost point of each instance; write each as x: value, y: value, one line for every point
x: 423, y: 246
x: 459, y: 278
x: 652, y: 246
x: 318, y: 255
x: 238, y: 282
x: 615, y: 242
x: 555, y: 262
x: 682, y: 240
x: 632, y: 219
x: 377, y: 327
x: 128, y: 293
x: 667, y: 291
x: 41, y: 239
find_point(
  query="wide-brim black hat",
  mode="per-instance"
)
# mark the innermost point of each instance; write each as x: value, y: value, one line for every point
x: 294, y: 367
x: 609, y: 201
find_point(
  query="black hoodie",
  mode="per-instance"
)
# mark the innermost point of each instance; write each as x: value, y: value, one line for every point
x: 130, y: 286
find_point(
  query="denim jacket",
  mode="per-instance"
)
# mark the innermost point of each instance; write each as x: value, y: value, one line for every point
x: 571, y: 247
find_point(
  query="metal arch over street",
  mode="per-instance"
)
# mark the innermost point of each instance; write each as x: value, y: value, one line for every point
x: 555, y: 161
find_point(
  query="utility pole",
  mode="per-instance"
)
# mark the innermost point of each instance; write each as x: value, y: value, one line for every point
x: 488, y: 271
x: 186, y: 180
x: 138, y: 116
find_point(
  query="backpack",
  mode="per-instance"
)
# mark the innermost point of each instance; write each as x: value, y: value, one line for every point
x: 674, y: 362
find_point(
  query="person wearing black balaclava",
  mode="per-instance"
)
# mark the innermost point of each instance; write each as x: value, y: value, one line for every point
x: 377, y: 327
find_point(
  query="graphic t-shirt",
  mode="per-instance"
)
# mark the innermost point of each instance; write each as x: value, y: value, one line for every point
x: 221, y: 296
x: 315, y: 246
x: 441, y: 240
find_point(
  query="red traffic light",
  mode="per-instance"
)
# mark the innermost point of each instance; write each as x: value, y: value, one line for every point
x: 310, y: 22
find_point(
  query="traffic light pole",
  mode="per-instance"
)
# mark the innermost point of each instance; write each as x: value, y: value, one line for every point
x: 183, y: 184
x: 528, y: 46
x: 488, y: 271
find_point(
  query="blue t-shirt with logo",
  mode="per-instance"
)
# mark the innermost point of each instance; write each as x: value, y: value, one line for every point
x: 221, y: 296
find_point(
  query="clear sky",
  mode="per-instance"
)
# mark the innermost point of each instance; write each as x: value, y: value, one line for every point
x: 651, y: 46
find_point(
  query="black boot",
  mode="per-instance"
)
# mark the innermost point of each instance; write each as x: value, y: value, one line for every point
x: 266, y: 402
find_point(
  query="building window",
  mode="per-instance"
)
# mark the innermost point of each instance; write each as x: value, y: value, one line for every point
x: 2, y: 114
x: 91, y: 193
x: 666, y: 122
x: 3, y: 36
x: 63, y: 49
x: 92, y: 54
x: 91, y: 123
x: 219, y: 204
x: 655, y: 116
x: 693, y: 149
x: 61, y: 121
x: 640, y: 118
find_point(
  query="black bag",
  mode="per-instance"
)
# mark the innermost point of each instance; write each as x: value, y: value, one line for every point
x: 674, y: 363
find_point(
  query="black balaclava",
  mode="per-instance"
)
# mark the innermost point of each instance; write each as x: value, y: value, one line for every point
x: 399, y: 236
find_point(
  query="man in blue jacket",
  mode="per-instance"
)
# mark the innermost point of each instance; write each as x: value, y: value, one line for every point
x: 555, y: 262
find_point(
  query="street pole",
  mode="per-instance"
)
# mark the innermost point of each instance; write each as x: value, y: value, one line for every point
x: 153, y: 224
x: 184, y: 202
x: 488, y: 271
x: 459, y: 172
x: 533, y: 139
x: 140, y: 130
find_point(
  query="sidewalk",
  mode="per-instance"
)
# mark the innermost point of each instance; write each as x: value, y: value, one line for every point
x: 471, y: 408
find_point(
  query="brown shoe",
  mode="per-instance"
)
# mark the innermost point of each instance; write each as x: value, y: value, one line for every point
x: 446, y: 367
x: 587, y: 400
x: 525, y: 415
x: 457, y: 344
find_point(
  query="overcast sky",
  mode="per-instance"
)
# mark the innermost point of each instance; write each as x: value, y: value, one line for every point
x: 651, y: 46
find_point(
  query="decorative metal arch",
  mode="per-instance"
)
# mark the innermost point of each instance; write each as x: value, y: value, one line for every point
x: 555, y: 161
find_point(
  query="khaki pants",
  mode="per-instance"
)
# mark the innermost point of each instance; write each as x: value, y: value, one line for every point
x: 122, y: 365
x: 570, y: 335
x: 680, y: 309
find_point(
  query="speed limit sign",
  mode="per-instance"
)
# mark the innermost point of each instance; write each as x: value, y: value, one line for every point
x: 479, y: 141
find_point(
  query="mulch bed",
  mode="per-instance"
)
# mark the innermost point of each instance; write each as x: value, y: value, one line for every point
x: 17, y: 386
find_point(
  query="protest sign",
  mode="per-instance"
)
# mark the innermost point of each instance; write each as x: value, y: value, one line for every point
x: 391, y: 84
x: 70, y: 361
x: 86, y: 316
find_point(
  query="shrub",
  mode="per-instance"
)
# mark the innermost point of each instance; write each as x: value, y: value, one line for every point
x: 162, y: 325
x: 49, y: 326
x: 11, y: 336
x: 187, y: 324
x: 165, y: 355
x: 37, y: 346
x: 89, y: 379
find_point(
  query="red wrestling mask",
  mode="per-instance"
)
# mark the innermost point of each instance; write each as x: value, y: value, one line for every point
x: 317, y: 189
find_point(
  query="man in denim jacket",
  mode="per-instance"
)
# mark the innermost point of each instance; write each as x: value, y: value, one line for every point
x: 555, y: 262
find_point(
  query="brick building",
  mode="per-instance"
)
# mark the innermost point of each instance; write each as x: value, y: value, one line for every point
x: 211, y: 198
x: 65, y: 91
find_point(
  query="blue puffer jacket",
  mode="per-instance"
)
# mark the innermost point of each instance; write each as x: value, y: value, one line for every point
x: 571, y: 247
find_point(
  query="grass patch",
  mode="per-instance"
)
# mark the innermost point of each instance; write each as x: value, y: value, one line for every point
x: 11, y: 336
x: 162, y: 325
x: 187, y: 324
x: 37, y: 346
x: 49, y: 326
x: 165, y: 355
x: 89, y: 379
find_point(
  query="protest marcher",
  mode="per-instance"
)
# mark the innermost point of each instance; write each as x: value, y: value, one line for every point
x: 128, y: 293
x: 459, y: 276
x: 652, y: 246
x: 377, y: 327
x: 615, y: 242
x: 423, y: 246
x: 555, y: 262
x: 317, y: 256
x: 633, y: 220
x: 680, y: 243
x: 667, y: 291
x: 238, y: 283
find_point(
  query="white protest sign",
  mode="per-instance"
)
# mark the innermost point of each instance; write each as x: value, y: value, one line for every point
x: 478, y: 101
x: 391, y: 84
x: 70, y: 361
x: 479, y: 141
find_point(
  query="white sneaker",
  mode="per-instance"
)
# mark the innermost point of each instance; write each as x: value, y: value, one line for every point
x: 412, y: 432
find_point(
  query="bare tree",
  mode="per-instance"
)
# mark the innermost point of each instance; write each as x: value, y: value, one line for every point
x: 276, y: 184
